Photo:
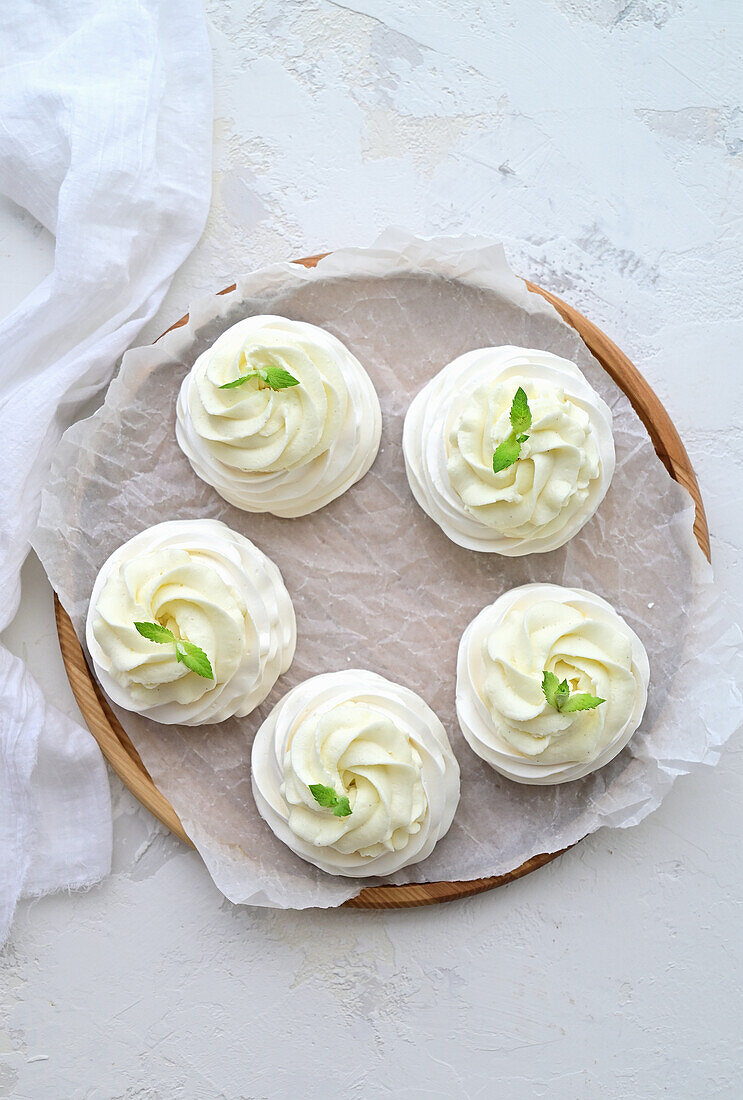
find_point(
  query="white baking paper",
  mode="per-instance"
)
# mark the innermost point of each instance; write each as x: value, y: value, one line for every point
x: 377, y: 585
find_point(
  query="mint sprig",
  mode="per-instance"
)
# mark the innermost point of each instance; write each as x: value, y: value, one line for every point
x: 155, y: 632
x: 276, y: 378
x: 185, y: 652
x: 507, y: 452
x: 558, y: 696
x: 327, y: 797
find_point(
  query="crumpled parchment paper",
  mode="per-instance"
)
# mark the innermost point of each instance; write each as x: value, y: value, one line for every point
x: 377, y: 585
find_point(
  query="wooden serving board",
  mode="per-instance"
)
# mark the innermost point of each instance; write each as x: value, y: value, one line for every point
x: 125, y: 760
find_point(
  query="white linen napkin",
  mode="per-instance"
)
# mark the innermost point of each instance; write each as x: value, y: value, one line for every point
x: 105, y: 137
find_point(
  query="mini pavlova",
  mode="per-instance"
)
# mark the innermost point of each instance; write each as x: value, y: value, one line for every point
x: 509, y: 450
x: 190, y: 623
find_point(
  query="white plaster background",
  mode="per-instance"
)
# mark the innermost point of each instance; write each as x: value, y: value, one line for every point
x: 602, y: 141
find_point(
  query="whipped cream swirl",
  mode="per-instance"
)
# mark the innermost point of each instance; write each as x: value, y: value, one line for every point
x: 208, y: 585
x: 371, y: 740
x: 455, y: 423
x: 502, y: 658
x: 289, y: 451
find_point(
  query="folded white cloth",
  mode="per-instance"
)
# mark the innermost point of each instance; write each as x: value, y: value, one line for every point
x: 105, y: 137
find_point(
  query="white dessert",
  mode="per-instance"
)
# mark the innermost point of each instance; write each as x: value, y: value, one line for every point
x: 210, y: 587
x: 502, y: 709
x: 456, y: 422
x: 372, y: 741
x: 288, y: 451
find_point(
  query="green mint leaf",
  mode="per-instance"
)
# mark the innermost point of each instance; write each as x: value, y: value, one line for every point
x: 239, y: 381
x: 194, y: 658
x: 550, y: 684
x: 187, y: 653
x: 580, y: 702
x: 558, y: 696
x: 278, y: 378
x: 154, y: 632
x: 326, y: 796
x: 506, y: 453
x: 562, y: 693
x: 520, y: 412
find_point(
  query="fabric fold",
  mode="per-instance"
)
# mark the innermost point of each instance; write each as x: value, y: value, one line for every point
x: 106, y: 140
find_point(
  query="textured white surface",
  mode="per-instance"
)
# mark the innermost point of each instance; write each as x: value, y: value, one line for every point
x: 603, y: 142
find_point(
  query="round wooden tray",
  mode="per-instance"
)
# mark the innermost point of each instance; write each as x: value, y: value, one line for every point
x: 125, y: 760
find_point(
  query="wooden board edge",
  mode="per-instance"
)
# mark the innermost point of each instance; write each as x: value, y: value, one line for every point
x: 107, y: 730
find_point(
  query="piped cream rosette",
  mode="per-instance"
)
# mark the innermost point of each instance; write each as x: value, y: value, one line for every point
x: 456, y: 422
x: 502, y: 709
x: 285, y: 451
x: 208, y: 586
x: 370, y: 741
